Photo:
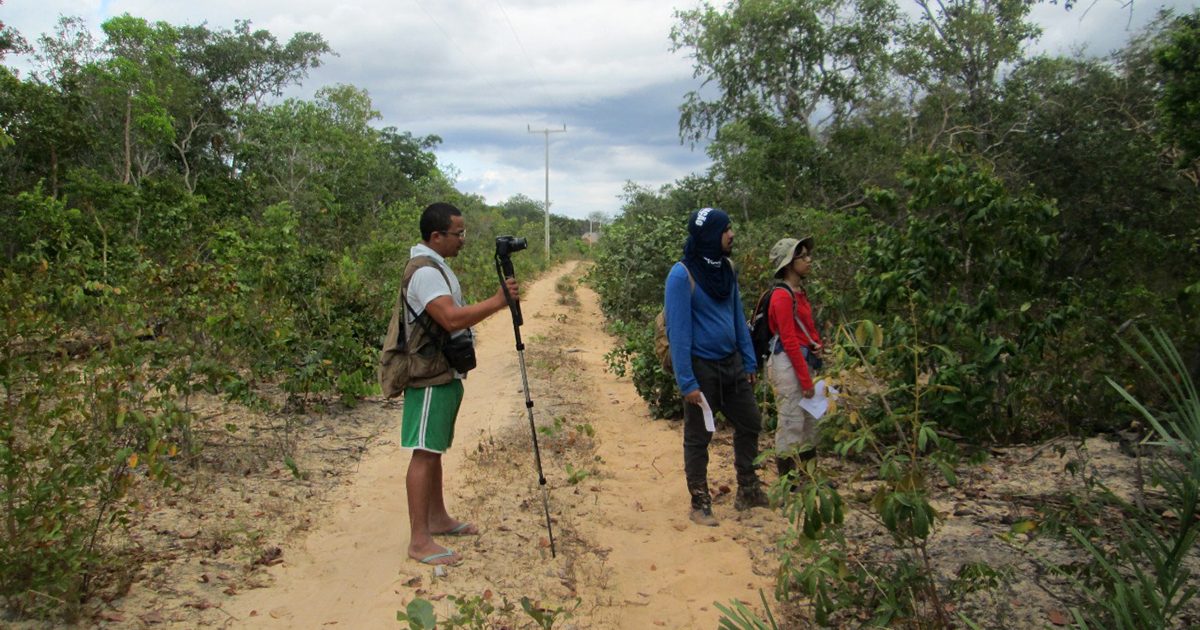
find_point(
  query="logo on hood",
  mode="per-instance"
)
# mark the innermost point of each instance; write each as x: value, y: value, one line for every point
x: 702, y: 216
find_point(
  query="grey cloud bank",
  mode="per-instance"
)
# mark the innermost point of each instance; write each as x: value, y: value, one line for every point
x: 477, y: 73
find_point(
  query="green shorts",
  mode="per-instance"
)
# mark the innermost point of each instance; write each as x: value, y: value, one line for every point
x: 429, y: 414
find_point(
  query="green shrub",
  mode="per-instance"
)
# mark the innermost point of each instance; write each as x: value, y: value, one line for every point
x: 1144, y: 579
x: 963, y: 270
x: 73, y: 436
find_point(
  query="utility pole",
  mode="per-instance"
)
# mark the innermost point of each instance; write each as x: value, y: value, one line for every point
x: 546, y: 133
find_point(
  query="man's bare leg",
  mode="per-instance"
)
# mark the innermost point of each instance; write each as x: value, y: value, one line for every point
x: 424, y: 470
x: 440, y: 521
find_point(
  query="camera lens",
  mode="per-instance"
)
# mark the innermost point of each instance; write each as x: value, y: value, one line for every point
x: 506, y: 245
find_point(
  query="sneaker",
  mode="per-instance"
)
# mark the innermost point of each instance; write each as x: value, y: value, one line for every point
x: 703, y: 516
x: 751, y: 497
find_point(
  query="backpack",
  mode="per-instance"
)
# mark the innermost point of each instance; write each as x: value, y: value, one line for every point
x: 760, y: 329
x: 411, y: 358
x: 662, y: 347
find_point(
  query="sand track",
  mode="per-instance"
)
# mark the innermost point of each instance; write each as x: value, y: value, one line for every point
x: 627, y: 555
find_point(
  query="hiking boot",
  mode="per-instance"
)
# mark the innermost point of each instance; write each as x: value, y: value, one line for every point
x: 703, y: 516
x: 701, y: 513
x: 750, y: 497
x: 787, y: 466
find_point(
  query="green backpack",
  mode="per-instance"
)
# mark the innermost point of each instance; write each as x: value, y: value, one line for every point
x: 411, y: 358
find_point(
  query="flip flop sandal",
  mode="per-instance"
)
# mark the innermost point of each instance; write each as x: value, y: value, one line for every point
x: 461, y: 530
x: 449, y: 553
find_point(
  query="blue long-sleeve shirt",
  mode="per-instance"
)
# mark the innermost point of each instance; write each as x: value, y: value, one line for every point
x: 698, y: 325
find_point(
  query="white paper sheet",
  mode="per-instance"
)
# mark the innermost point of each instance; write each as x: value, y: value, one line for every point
x: 818, y: 405
x: 709, y: 422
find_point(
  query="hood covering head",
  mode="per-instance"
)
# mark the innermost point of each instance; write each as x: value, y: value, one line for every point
x: 703, y: 255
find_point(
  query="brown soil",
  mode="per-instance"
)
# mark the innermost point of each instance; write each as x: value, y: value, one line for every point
x: 251, y: 542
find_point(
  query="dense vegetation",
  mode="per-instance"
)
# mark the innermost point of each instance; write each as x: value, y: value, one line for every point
x: 991, y: 227
x: 1014, y: 211
x: 172, y: 225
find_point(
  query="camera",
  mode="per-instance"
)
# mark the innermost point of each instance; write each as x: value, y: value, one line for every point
x: 506, y: 245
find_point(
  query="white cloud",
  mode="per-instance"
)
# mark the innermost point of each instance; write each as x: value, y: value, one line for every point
x: 478, y: 72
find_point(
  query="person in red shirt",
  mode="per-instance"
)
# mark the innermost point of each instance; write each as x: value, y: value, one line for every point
x: 795, y: 351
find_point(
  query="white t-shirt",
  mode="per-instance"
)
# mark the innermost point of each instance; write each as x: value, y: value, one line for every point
x: 427, y: 285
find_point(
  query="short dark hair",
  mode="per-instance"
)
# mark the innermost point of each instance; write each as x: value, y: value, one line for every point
x: 436, y: 218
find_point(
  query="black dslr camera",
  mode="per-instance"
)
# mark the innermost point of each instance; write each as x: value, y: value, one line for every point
x: 506, y: 245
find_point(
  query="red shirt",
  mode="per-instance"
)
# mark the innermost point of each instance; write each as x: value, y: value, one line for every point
x: 781, y: 318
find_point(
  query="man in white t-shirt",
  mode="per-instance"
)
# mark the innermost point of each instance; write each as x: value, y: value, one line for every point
x: 430, y: 411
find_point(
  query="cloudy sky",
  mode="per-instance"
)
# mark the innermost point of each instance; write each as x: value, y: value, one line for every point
x: 482, y: 73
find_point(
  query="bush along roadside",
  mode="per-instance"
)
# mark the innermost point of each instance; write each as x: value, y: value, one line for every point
x: 1138, y: 568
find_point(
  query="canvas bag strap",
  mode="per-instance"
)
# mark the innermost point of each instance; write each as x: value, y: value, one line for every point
x: 732, y: 305
x: 414, y: 264
x: 691, y: 280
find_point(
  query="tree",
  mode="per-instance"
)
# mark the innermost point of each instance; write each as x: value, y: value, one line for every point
x: 961, y: 276
x: 10, y: 40
x: 405, y: 161
x: 783, y: 59
x: 167, y: 99
x: 597, y: 220
x: 765, y: 163
x: 318, y: 156
x: 954, y: 54
x: 1179, y: 59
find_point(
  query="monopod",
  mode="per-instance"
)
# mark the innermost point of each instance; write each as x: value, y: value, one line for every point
x: 504, y: 269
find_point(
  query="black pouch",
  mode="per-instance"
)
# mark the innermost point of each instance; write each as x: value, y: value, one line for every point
x: 460, y: 353
x: 814, y: 360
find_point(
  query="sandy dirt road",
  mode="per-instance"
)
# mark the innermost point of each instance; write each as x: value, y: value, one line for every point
x: 627, y: 557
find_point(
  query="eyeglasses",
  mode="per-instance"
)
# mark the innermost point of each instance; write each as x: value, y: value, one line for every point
x: 461, y: 234
x: 804, y: 256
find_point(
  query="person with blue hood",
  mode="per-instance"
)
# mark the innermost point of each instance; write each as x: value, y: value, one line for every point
x: 713, y: 360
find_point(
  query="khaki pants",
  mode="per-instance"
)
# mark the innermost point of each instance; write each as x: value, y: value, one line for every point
x: 796, y: 427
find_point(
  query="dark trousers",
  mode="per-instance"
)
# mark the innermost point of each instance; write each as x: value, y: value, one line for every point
x: 729, y: 393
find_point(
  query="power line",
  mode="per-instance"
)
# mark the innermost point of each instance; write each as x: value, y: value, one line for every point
x: 528, y: 60
x: 496, y: 88
x: 439, y: 26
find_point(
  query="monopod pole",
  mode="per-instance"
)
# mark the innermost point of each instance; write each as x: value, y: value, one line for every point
x: 504, y: 269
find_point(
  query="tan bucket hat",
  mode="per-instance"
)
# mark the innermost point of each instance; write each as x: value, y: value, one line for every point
x: 784, y: 250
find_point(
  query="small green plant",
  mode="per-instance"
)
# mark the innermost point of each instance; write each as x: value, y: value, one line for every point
x: 555, y: 428
x: 576, y: 475
x: 477, y: 612
x: 298, y: 474
x: 418, y: 614
x: 817, y: 561
x: 1144, y: 579
x: 979, y: 576
x: 565, y: 287
x: 738, y: 616
x: 543, y: 617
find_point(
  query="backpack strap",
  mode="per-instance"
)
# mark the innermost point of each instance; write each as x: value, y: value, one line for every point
x: 792, y: 294
x: 692, y: 284
x: 415, y: 263
x: 691, y: 280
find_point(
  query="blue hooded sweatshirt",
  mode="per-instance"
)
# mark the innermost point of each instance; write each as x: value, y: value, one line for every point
x: 699, y: 324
